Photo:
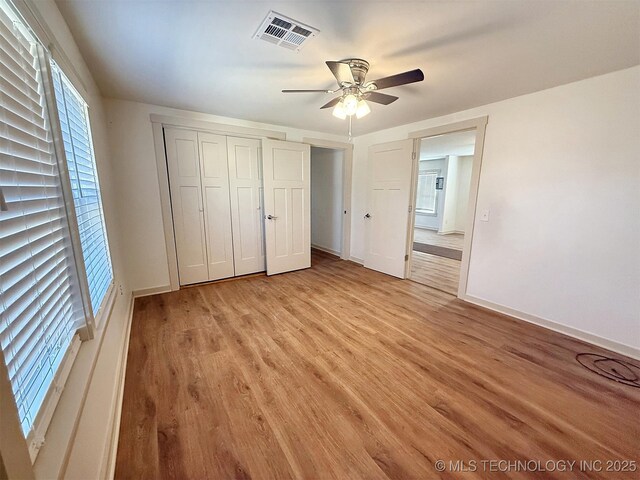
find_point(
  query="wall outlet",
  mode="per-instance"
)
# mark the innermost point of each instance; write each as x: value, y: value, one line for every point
x: 484, y: 215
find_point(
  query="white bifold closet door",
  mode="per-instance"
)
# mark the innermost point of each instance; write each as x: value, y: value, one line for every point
x: 183, y: 161
x: 214, y: 172
x: 199, y: 185
x: 245, y: 184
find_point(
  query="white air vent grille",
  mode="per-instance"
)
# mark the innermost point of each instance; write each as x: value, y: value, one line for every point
x: 285, y: 32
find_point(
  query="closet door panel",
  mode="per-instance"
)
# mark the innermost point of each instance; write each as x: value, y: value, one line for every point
x: 215, y: 184
x: 245, y: 182
x: 186, y: 204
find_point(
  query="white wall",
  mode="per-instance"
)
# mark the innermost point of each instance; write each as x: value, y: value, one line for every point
x: 450, y: 209
x: 456, y: 194
x: 326, y: 198
x: 465, y: 167
x: 553, y: 162
x: 137, y: 188
x: 92, y: 441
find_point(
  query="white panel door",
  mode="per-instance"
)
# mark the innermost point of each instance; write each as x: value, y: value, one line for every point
x: 186, y: 204
x: 388, y: 199
x: 245, y: 185
x: 214, y: 173
x: 287, y: 197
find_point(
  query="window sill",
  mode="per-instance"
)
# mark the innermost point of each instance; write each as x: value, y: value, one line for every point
x: 426, y: 214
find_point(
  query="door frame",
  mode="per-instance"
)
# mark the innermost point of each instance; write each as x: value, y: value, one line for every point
x: 347, y: 169
x: 158, y: 122
x: 480, y: 125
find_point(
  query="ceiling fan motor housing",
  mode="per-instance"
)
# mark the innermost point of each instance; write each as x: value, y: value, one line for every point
x: 359, y: 69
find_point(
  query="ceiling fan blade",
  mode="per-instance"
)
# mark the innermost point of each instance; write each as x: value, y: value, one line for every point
x: 341, y: 71
x: 399, y: 79
x: 382, y: 98
x: 332, y: 103
x: 307, y: 91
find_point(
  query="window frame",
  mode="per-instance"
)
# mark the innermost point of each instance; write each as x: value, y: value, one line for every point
x: 88, y: 321
x: 52, y: 389
x: 422, y: 211
x: 95, y: 318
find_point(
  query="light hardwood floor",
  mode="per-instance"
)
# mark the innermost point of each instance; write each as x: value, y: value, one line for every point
x: 434, y: 271
x: 345, y: 373
x: 431, y: 237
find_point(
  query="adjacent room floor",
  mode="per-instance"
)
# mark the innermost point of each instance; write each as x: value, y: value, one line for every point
x: 342, y: 372
x: 454, y: 241
x: 435, y: 271
x: 437, y: 267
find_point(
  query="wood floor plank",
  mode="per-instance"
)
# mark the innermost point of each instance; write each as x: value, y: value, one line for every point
x: 432, y: 237
x: 340, y: 372
x: 434, y: 271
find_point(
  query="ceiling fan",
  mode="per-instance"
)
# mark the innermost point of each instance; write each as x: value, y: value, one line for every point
x: 355, y: 91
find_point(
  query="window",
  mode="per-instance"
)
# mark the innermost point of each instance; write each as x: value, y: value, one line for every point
x: 39, y: 292
x: 426, y: 201
x: 74, y: 123
x: 55, y: 268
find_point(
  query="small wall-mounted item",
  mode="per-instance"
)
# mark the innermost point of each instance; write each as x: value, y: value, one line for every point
x: 439, y: 183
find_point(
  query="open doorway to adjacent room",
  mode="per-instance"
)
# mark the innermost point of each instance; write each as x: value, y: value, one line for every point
x: 330, y: 192
x: 442, y: 198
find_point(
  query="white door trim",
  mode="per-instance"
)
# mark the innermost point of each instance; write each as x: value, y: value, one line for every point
x: 479, y: 124
x: 158, y: 122
x: 347, y: 169
x: 217, y: 128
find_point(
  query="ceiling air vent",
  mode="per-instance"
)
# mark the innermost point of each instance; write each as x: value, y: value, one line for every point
x: 285, y: 31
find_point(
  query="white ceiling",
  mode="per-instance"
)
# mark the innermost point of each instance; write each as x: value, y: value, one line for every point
x: 459, y: 143
x: 200, y: 55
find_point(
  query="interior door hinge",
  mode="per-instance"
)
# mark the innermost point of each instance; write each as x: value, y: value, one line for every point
x: 413, y: 155
x: 410, y: 208
x: 406, y: 258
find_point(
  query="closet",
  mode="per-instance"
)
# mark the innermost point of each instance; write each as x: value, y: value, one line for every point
x: 215, y: 184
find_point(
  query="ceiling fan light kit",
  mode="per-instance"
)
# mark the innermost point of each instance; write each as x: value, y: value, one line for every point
x: 339, y: 111
x: 355, y: 91
x: 363, y: 109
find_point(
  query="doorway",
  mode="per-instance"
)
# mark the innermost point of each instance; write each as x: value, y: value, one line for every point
x: 331, y: 166
x: 443, y: 185
x: 327, y: 185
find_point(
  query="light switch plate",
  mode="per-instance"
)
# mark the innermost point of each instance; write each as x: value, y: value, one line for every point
x: 484, y: 215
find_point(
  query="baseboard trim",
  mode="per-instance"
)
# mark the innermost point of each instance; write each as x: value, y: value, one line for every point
x: 116, y: 414
x: 326, y: 250
x: 145, y: 292
x: 357, y: 260
x: 612, y: 345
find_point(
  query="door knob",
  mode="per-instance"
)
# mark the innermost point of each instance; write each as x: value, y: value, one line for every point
x: 367, y: 216
x: 271, y: 217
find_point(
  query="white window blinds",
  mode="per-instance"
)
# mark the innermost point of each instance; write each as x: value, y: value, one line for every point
x: 39, y: 307
x: 74, y: 123
x: 426, y: 198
